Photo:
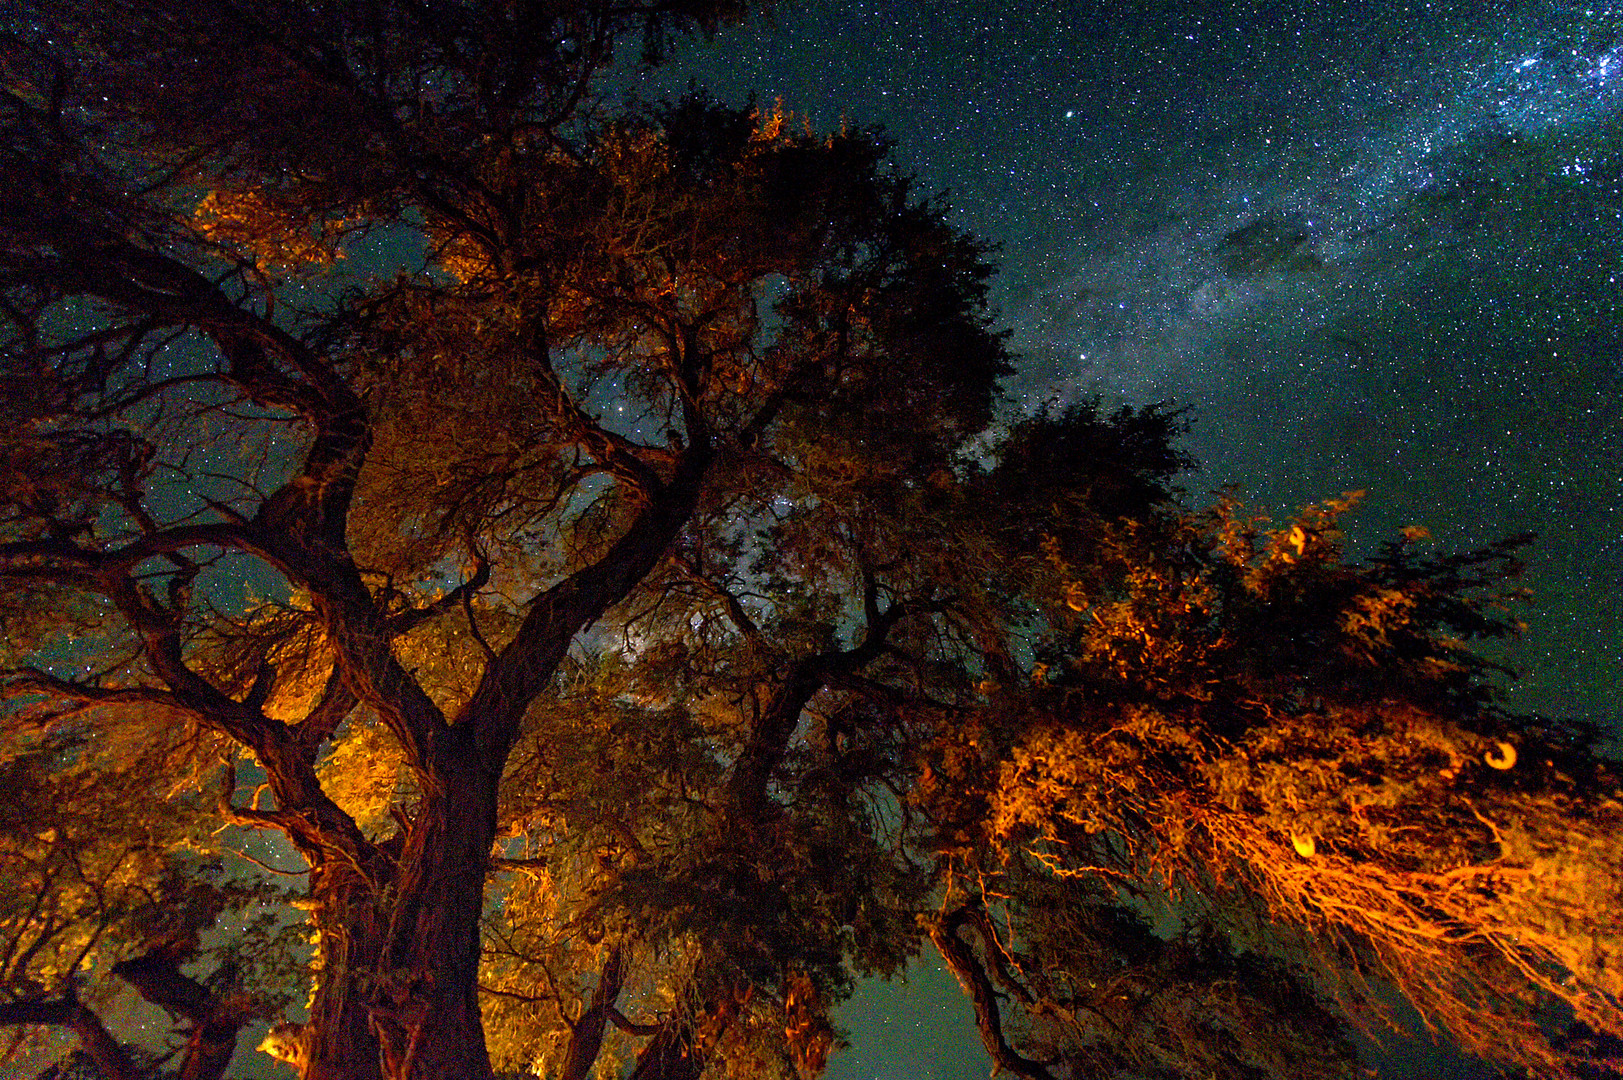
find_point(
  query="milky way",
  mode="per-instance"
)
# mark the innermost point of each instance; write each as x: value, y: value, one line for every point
x: 1373, y: 246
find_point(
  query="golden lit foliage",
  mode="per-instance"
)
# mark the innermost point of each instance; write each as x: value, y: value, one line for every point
x: 1265, y: 722
x: 536, y: 969
x: 277, y: 636
x: 366, y: 774
x: 273, y: 237
x: 105, y: 851
x: 66, y: 880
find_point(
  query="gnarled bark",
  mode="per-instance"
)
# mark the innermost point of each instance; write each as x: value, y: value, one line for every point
x: 338, y: 1042
x: 426, y: 1007
x: 972, y: 976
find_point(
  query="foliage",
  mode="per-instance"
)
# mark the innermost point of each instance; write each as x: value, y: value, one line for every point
x: 103, y: 853
x: 1241, y: 724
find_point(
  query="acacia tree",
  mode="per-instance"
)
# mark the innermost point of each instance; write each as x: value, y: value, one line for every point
x: 601, y: 595
x: 630, y: 335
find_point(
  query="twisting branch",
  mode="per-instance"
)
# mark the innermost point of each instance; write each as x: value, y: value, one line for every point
x: 735, y: 609
x: 34, y: 680
x: 300, y: 529
x: 631, y: 1027
x: 59, y: 559
x: 772, y: 727
x: 586, y: 1033
x: 972, y: 976
x: 621, y: 456
x: 982, y: 922
x: 215, y: 1021
x: 250, y: 817
x: 473, y: 628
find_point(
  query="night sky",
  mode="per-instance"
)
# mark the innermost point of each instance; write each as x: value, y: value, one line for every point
x: 1372, y: 245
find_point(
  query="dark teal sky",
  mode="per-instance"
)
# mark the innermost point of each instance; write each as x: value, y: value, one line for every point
x: 1374, y: 246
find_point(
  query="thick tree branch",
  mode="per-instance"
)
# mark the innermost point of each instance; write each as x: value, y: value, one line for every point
x: 312, y: 820
x: 772, y: 729
x: 57, y: 553
x: 251, y: 817
x: 586, y: 1033
x: 528, y: 662
x: 34, y: 680
x: 112, y: 1060
x: 158, y: 977
x: 674, y: 1053
x: 972, y: 976
x: 215, y: 1025
x: 301, y: 528
x: 631, y: 1027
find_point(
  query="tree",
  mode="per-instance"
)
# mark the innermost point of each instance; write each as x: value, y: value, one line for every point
x: 614, y: 600
x: 1301, y: 763
x: 631, y: 337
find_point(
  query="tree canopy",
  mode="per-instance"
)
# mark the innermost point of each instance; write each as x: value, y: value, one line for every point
x: 577, y: 536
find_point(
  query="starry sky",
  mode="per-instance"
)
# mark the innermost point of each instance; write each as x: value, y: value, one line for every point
x: 1372, y: 246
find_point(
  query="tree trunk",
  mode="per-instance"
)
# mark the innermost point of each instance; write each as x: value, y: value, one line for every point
x: 397, y: 997
x: 426, y: 1008
x: 338, y: 1043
